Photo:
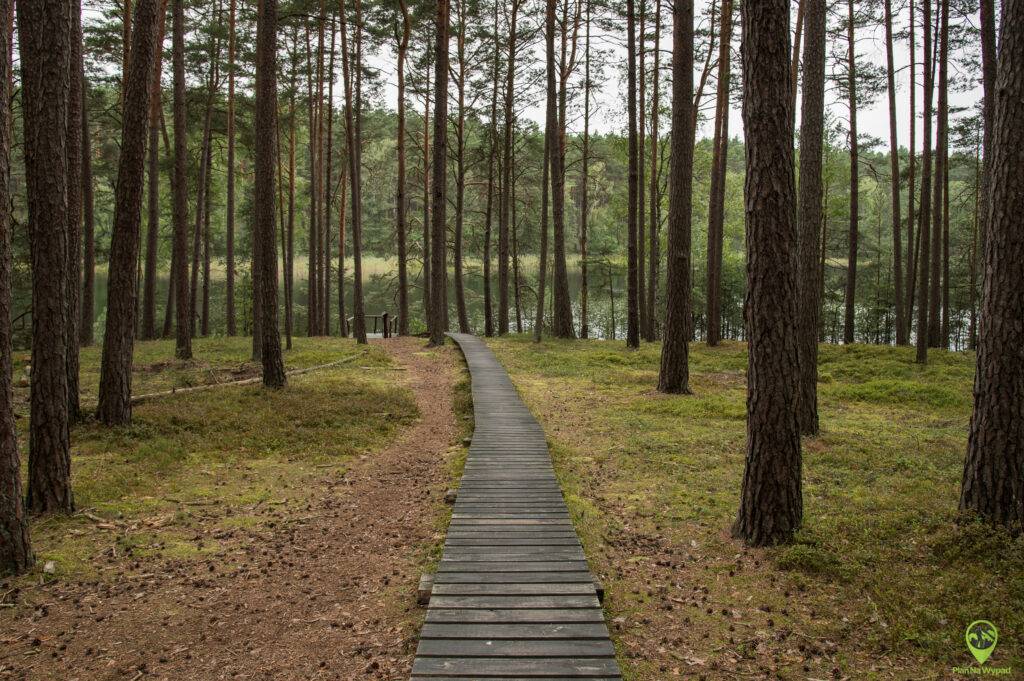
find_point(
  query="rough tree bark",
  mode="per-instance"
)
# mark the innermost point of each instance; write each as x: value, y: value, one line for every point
x: 44, y: 36
x: 641, y: 156
x: 15, y: 548
x: 851, y: 258
x: 675, y: 350
x: 894, y: 180
x: 911, y: 188
x: 265, y: 129
x: 74, y: 184
x: 771, y: 504
x: 353, y: 141
x: 924, y: 234
x: 85, y: 330
x: 153, y: 194
x: 716, y: 208
x: 425, y: 250
x: 438, y: 230
x: 179, y: 189
x: 460, y: 169
x: 633, y: 265
x: 809, y: 212
x: 651, y: 326
x: 401, y: 203
x: 505, y: 207
x: 115, y: 395
x: 988, y: 83
x: 585, y: 180
x: 561, y: 312
x: 230, y: 207
x: 993, y: 480
x: 542, y: 269
x: 941, y: 140
x: 492, y: 143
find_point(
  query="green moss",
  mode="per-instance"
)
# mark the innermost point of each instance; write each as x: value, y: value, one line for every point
x: 883, y: 563
x: 226, y: 452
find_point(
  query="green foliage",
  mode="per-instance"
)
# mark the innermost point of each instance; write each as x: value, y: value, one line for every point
x: 884, y: 564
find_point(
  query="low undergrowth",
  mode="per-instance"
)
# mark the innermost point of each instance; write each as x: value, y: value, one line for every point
x: 225, y: 455
x: 883, y: 578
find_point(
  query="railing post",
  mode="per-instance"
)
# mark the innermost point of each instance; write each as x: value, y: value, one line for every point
x: 384, y: 323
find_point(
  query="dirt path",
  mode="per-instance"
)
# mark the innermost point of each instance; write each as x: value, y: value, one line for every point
x: 323, y: 592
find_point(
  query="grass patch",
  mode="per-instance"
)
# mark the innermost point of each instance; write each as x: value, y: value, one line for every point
x: 880, y: 583
x: 218, y: 455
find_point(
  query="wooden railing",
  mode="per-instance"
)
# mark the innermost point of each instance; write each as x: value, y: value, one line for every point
x: 383, y: 323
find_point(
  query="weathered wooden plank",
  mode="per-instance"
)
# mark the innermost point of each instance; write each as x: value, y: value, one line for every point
x: 483, y: 668
x: 527, y: 648
x: 513, y: 598
x: 516, y: 616
x: 515, y: 631
x: 513, y: 577
x: 513, y: 602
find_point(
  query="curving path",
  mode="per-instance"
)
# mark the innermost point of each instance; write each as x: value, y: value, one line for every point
x: 513, y: 597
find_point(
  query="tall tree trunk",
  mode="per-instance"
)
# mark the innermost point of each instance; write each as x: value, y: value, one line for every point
x: 641, y: 157
x: 289, y: 246
x: 944, y: 334
x: 561, y: 312
x: 492, y: 143
x: 312, y: 106
x: 74, y: 185
x: 716, y: 209
x: 229, y: 219
x: 988, y: 82
x: 505, y: 207
x: 771, y: 504
x: 810, y: 214
x: 342, y: 325
x: 353, y: 139
x: 265, y: 129
x: 942, y: 138
x: 584, y: 190
x: 15, y: 549
x: 460, y: 168
x: 651, y: 327
x: 85, y: 331
x: 401, y: 203
x: 179, y: 189
x: 153, y: 204
x: 517, y: 281
x: 204, y: 327
x: 924, y: 234
x: 542, y: 269
x: 798, y: 33
x: 197, y: 230
x: 327, y: 200
x: 675, y: 351
x: 894, y: 180
x: 633, y: 263
x: 425, y: 271
x: 115, y: 395
x: 438, y: 230
x: 993, y: 480
x: 911, y: 188
x: 44, y: 36
x: 972, y: 329
x: 851, y: 261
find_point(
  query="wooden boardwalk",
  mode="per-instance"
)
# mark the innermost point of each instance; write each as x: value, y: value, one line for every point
x: 513, y: 597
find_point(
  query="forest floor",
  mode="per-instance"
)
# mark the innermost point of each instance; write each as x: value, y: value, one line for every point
x: 881, y: 582
x: 238, y: 534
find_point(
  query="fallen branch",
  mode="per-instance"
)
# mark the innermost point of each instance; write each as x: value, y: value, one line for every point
x: 138, y: 399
